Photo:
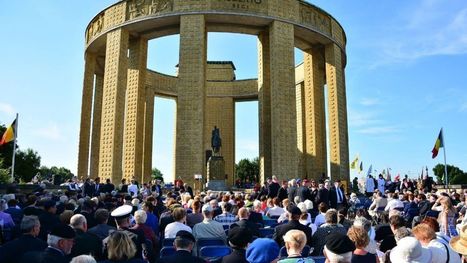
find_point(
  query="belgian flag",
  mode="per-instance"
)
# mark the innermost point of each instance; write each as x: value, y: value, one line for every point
x: 438, y: 144
x: 9, y: 134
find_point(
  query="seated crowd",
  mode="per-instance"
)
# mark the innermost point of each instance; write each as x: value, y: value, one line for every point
x: 287, y: 222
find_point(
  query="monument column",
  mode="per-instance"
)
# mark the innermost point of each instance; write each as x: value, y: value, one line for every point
x: 148, y: 133
x: 264, y: 105
x: 135, y: 99
x: 115, y: 81
x: 315, y: 122
x: 96, y: 125
x: 86, y: 109
x: 284, y: 151
x: 337, y: 107
x: 189, y: 150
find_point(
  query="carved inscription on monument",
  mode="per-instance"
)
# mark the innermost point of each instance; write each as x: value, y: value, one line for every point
x: 257, y: 6
x: 313, y: 18
x: 95, y: 27
x: 137, y: 8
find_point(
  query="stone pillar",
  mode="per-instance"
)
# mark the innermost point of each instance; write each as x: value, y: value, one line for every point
x: 96, y: 125
x: 86, y: 109
x: 115, y: 81
x: 189, y: 150
x: 315, y: 122
x: 284, y: 152
x: 148, y: 133
x: 135, y: 101
x: 337, y: 107
x: 264, y: 105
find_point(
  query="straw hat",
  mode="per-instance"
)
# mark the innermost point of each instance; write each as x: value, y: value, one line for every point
x: 459, y: 243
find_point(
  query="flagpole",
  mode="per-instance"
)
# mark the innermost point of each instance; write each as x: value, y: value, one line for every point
x: 445, y: 164
x: 14, y: 150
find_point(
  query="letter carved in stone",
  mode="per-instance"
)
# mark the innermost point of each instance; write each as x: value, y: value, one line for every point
x: 315, y: 19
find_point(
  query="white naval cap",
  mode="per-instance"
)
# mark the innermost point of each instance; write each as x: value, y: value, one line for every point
x: 122, y: 211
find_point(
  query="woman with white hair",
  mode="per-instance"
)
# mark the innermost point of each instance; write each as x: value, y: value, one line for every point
x: 140, y: 220
x: 83, y: 259
x: 305, y: 218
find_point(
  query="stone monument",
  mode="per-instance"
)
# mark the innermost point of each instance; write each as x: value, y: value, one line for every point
x: 216, y: 164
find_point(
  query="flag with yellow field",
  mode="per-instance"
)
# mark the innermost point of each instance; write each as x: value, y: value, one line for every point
x: 9, y: 134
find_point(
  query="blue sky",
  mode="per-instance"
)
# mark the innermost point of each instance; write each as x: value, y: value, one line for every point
x: 406, y: 78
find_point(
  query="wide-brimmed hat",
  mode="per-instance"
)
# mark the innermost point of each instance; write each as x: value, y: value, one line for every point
x: 459, y: 243
x: 409, y: 250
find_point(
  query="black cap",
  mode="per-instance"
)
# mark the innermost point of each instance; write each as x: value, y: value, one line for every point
x: 240, y: 236
x: 339, y: 243
x: 294, y: 210
x: 63, y: 231
x: 185, y: 235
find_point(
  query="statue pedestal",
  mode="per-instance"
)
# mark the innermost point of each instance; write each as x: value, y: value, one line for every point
x: 216, y: 174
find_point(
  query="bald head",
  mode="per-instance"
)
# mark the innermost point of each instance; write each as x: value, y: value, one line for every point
x: 243, y: 213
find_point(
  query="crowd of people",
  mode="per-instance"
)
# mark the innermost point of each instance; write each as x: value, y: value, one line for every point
x: 281, y: 221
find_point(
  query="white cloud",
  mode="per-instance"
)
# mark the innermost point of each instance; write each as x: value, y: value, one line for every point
x: 359, y: 119
x: 369, y: 101
x: 432, y: 28
x: 7, y: 109
x: 51, y: 132
x: 378, y: 130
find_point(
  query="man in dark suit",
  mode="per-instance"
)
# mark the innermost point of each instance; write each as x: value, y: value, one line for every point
x: 14, y: 250
x: 239, y: 237
x: 273, y: 187
x: 108, y: 187
x: 255, y: 213
x: 60, y: 241
x: 48, y: 219
x: 16, y: 213
x: 337, y: 195
x: 282, y: 194
x: 88, y: 189
x: 97, y: 186
x: 102, y: 229
x: 292, y: 190
x: 184, y: 242
x: 294, y: 216
x: 243, y: 221
x: 323, y: 195
x: 85, y: 243
x: 303, y: 192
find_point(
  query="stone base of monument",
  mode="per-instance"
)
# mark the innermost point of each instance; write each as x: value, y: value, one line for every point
x: 216, y: 174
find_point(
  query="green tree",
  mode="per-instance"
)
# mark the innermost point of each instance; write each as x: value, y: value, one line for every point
x: 55, y: 174
x: 157, y: 174
x: 247, y: 170
x: 455, y: 174
x: 27, y: 165
x: 5, y: 175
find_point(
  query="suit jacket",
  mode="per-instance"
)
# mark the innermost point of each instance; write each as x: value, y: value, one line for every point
x: 48, y: 221
x: 323, y: 196
x: 282, y: 194
x: 281, y: 230
x: 333, y: 197
x: 319, y: 237
x: 291, y: 193
x: 252, y: 227
x: 85, y: 244
x: 49, y: 255
x: 273, y: 189
x: 88, y: 189
x: 16, y: 214
x: 101, y: 230
x: 304, y: 193
x: 14, y: 250
x: 181, y: 256
x: 237, y: 256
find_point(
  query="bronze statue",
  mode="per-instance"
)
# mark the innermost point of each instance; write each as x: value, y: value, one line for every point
x: 216, y: 141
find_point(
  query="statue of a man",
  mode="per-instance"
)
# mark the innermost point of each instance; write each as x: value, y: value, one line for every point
x: 216, y: 141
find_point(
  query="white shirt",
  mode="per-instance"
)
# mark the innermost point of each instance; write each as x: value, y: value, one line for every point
x: 133, y: 188
x: 275, y: 211
x: 319, y: 220
x: 370, y: 185
x: 393, y: 203
x: 172, y: 229
x: 439, y: 253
